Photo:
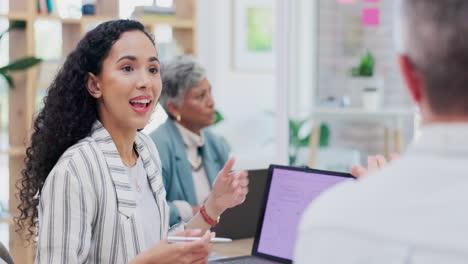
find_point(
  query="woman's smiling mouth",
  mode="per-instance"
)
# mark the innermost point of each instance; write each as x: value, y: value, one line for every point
x: 140, y: 104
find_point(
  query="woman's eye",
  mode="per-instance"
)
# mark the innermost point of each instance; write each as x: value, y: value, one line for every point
x: 154, y: 70
x: 127, y: 68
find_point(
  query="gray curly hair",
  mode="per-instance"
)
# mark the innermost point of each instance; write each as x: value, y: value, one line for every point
x: 179, y: 75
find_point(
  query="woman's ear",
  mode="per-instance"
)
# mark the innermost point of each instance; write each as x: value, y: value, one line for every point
x: 173, y: 109
x: 93, y: 86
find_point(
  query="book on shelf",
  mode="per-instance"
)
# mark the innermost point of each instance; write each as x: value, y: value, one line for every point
x: 46, y: 7
x: 50, y: 7
x: 42, y: 7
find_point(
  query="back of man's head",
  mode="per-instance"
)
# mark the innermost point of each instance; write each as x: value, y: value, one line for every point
x: 434, y: 36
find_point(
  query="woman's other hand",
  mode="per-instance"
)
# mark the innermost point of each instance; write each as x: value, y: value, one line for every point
x: 374, y: 163
x: 178, y: 253
x: 229, y: 189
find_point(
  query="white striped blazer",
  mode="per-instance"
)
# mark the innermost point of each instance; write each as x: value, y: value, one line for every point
x: 86, y: 208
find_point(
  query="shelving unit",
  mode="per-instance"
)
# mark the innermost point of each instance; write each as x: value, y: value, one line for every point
x: 6, y: 220
x: 22, y: 97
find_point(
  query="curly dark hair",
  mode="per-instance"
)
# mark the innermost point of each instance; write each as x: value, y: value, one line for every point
x: 68, y: 114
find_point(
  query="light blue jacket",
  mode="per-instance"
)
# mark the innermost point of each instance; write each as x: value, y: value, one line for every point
x: 176, y: 169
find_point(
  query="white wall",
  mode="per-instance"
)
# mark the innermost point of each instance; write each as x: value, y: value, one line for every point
x: 246, y: 99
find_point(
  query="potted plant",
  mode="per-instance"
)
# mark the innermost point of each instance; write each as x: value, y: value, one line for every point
x: 299, y: 138
x: 20, y: 64
x: 364, y: 85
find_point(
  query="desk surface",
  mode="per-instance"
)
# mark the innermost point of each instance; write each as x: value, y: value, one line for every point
x: 236, y: 248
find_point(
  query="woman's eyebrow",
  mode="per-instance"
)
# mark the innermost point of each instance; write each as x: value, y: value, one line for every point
x: 129, y: 57
x: 151, y: 59
x: 133, y: 58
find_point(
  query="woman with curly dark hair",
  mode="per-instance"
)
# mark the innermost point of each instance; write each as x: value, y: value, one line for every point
x: 92, y: 188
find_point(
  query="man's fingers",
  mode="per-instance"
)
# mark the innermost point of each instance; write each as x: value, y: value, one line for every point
x: 358, y: 171
x: 394, y: 156
x: 381, y: 161
x: 372, y: 164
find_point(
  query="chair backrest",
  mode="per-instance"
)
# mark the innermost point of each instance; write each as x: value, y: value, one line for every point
x: 4, y: 255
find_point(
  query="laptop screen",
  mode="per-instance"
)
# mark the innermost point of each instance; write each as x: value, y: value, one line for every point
x: 290, y: 192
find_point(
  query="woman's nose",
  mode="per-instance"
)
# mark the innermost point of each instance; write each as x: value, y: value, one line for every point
x: 144, y: 81
x: 211, y: 101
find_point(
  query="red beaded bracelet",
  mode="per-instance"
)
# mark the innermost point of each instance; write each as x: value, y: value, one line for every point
x: 207, y: 218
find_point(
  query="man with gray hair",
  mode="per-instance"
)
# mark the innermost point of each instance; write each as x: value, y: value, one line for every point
x: 416, y: 209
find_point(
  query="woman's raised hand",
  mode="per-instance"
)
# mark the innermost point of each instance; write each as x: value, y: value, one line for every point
x: 229, y: 189
x: 196, y: 252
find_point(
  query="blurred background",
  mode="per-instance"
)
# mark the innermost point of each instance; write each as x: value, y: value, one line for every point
x: 300, y: 82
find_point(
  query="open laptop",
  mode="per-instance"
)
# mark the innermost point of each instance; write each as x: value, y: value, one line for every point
x: 289, y: 190
x: 249, y: 211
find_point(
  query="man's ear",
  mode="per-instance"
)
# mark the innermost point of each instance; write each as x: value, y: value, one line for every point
x: 411, y: 77
x: 93, y: 86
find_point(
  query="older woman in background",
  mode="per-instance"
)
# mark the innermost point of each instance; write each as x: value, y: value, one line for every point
x: 191, y: 155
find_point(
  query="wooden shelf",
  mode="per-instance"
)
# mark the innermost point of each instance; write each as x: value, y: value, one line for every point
x: 16, y: 16
x: 82, y: 20
x: 42, y: 16
x: 154, y: 20
x: 14, y: 152
x: 169, y: 20
x: 86, y: 19
x: 7, y: 220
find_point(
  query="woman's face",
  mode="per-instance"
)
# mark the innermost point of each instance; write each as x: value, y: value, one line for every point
x: 197, y: 108
x: 129, y: 85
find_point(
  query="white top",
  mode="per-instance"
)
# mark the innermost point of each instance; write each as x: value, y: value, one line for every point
x: 202, y: 186
x: 414, y: 211
x: 146, y: 212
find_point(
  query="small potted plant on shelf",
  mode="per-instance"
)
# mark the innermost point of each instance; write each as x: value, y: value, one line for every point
x: 364, y: 85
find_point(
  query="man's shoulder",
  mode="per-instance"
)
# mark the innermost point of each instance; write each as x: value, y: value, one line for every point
x: 332, y: 202
x: 355, y: 199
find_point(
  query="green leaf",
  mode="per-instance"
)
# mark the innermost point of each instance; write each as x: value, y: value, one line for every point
x: 365, y: 67
x: 18, y: 24
x: 14, y: 25
x: 8, y: 79
x: 21, y: 64
x: 292, y: 159
x: 324, y: 135
x: 304, y: 142
x: 293, y: 128
x: 219, y: 117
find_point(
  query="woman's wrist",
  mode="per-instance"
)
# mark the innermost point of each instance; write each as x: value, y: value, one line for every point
x: 212, y: 209
x: 139, y: 259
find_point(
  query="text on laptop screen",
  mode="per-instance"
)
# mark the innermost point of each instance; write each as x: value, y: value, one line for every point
x: 290, y: 193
